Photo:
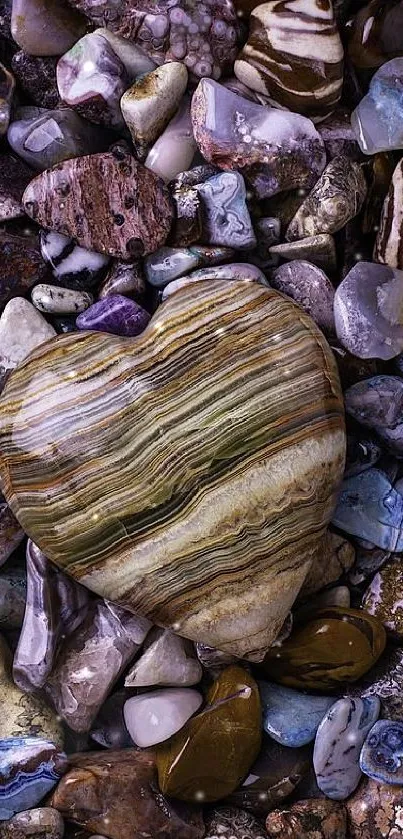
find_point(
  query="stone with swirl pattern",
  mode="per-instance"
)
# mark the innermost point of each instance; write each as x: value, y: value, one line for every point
x: 189, y: 473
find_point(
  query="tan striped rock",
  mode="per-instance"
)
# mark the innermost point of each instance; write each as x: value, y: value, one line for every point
x: 188, y: 474
x: 294, y: 55
x: 389, y: 241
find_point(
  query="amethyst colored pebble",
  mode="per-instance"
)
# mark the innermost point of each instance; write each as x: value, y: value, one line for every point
x: 115, y: 314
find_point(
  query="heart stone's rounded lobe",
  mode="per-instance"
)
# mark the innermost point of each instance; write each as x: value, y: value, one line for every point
x: 188, y: 473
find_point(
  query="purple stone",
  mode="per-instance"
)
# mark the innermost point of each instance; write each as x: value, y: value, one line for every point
x: 115, y: 314
x: 309, y: 286
x: 378, y: 404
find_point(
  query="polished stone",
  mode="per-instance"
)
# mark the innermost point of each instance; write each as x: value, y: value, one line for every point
x: 376, y: 34
x: 226, y: 219
x: 377, y: 120
x: 289, y: 716
x: 135, y: 61
x: 388, y: 244
x: 126, y: 278
x: 151, y: 102
x: 175, y: 149
x: 318, y: 250
x: 169, y: 264
x: 45, y: 27
x: 57, y: 300
x: 376, y: 402
x: 335, y: 645
x: 381, y: 755
x: 21, y: 265
x: 154, y: 717
x: 166, y: 660
x: 231, y: 271
x: 29, y: 768
x: 210, y: 756
x: 37, y: 823
x: 370, y: 508
x: 45, y: 137
x: 115, y: 314
x: 338, y: 743
x: 311, y: 819
x: 22, y: 328
x: 72, y: 266
x: 309, y: 286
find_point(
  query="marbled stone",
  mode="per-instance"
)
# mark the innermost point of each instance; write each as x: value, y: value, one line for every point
x: 135, y: 61
x: 289, y: 716
x: 337, y: 197
x: 57, y: 300
x: 363, y: 451
x: 375, y: 34
x: 126, y: 278
x: 22, y: 328
x: 231, y: 823
x: 338, y: 135
x: 334, y: 558
x: 29, y: 768
x: 368, y: 310
x: 275, y: 150
x: 335, y: 645
x: 116, y: 792
x: 7, y: 87
x: 318, y: 250
x: 294, y: 55
x: 388, y: 244
x: 43, y: 138
x: 55, y: 606
x: 14, y: 177
x: 13, y: 591
x: 169, y: 264
x: 204, y: 36
x: 167, y: 659
x: 375, y: 811
x: 231, y: 271
x: 92, y: 79
x: 102, y: 645
x: 115, y: 314
x: 36, y: 76
x: 72, y: 266
x: 309, y: 286
x: 209, y: 757
x: 376, y: 402
x: 381, y: 753
x: 195, y: 522
x: 370, y: 508
x: 45, y: 27
x: 151, y: 102
x: 41, y: 822
x: 153, y: 717
x: 109, y: 728
x: 21, y: 265
x: 132, y: 214
x: 311, y: 819
x: 175, y: 149
x: 226, y: 219
x: 384, y: 598
x: 385, y: 680
x: 338, y: 743
x: 377, y: 120
x: 11, y: 533
x: 187, y: 227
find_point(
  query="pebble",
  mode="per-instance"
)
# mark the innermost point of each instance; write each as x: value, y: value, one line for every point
x: 311, y: 819
x: 377, y: 403
x: 45, y: 27
x: 385, y: 680
x: 388, y: 243
x: 21, y: 265
x: 318, y: 250
x: 332, y: 561
x: 36, y: 76
x: 134, y: 59
x: 91, y: 78
x: 231, y: 823
x: 103, y: 645
x: 72, y: 266
x: 169, y: 264
x: 232, y: 271
x: 7, y: 88
x: 109, y: 728
x: 166, y: 660
x: 29, y: 768
x: 11, y: 532
x: 309, y: 286
x: 187, y: 228
x: 375, y: 811
x: 214, y: 661
x: 289, y: 716
x: 275, y: 150
x: 335, y: 645
x: 175, y: 149
x: 153, y: 717
x: 338, y: 135
x: 13, y: 590
x: 126, y: 278
x: 14, y: 177
x: 56, y: 300
x: 41, y: 822
x: 370, y: 508
x: 131, y: 217
x: 336, y: 198
x: 295, y: 58
x: 366, y: 564
x: 115, y: 314
x: 115, y: 794
x: 377, y: 120
x: 381, y: 755
x: 366, y: 310
x: 151, y: 102
x: 22, y: 328
x: 338, y: 743
x: 44, y: 138
x: 226, y: 219
x: 210, y: 756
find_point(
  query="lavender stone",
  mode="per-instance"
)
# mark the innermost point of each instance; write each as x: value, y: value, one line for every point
x: 226, y: 219
x: 309, y: 286
x: 378, y: 119
x: 115, y: 314
x: 167, y: 264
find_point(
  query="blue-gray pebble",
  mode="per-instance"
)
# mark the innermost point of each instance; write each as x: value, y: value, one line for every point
x: 382, y: 753
x: 289, y: 716
x: 370, y: 508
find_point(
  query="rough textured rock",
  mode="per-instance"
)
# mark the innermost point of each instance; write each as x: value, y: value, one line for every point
x: 41, y: 823
x: 335, y: 556
x: 36, y: 77
x: 384, y: 598
x: 375, y: 811
x: 11, y: 533
x: 14, y: 177
x: 230, y: 823
x: 13, y: 591
x: 7, y: 87
x: 21, y: 265
x: 312, y: 819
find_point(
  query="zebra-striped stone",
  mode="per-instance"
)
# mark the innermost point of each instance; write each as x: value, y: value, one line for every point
x: 389, y: 241
x: 189, y: 473
x: 294, y: 56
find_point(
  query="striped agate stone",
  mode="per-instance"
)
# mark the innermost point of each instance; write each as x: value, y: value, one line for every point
x: 189, y: 473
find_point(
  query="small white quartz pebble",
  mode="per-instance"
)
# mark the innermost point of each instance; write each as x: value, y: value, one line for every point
x: 22, y: 328
x: 153, y: 717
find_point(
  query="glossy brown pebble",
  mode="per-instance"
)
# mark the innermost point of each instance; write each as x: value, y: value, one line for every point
x: 210, y: 756
x: 337, y: 645
x: 312, y: 819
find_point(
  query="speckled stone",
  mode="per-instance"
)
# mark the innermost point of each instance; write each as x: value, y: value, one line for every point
x: 29, y: 768
x: 384, y: 598
x: 311, y: 819
x: 151, y: 102
x: 335, y: 645
x: 7, y: 87
x: 40, y: 822
x: 388, y: 244
x: 21, y: 264
x: 337, y: 197
x: 169, y: 264
x: 275, y: 150
x: 115, y: 314
x: 377, y: 120
x: 375, y: 811
x: 167, y: 659
x: 309, y: 286
x: 231, y: 823
x: 72, y: 266
x: 45, y: 27
x: 187, y: 227
x: 14, y: 178
x: 131, y: 217
x: 115, y: 794
x: 381, y: 753
x: 22, y: 328
x: 319, y: 250
x: 11, y: 532
x: 338, y: 743
x: 126, y: 278
x: 36, y: 76
x: 386, y: 681
x: 13, y: 592
x: 335, y: 557
x: 226, y: 219
x: 56, y: 300
x: 289, y: 716
x: 371, y: 509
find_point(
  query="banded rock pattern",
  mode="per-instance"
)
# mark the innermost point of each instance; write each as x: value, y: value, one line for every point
x: 294, y: 55
x: 189, y: 473
x: 389, y: 241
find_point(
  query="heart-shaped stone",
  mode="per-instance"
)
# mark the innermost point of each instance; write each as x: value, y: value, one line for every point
x: 188, y: 473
